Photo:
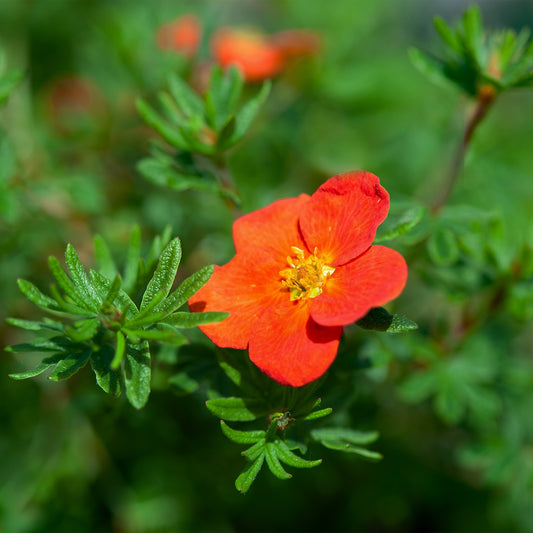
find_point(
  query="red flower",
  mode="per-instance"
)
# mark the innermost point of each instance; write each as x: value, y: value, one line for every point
x: 182, y: 35
x: 304, y: 268
x: 253, y: 53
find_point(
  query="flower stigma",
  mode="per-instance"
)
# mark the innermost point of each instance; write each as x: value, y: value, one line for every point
x: 306, y: 276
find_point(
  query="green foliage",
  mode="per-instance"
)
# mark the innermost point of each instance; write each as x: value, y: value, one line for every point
x: 207, y: 125
x: 380, y: 319
x: 102, y: 323
x: 285, y: 413
x: 9, y: 79
x: 474, y: 58
x: 452, y: 400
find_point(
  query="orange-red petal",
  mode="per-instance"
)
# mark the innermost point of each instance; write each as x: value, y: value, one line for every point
x: 272, y: 229
x: 289, y: 347
x: 373, y: 279
x: 343, y: 214
x: 243, y: 287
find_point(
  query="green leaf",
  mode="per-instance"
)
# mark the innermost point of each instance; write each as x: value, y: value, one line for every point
x: 394, y: 227
x: 56, y: 344
x: 44, y: 365
x: 224, y: 92
x: 35, y: 296
x: 83, y: 330
x: 171, y: 134
x: 131, y: 268
x: 318, y: 414
x: 378, y: 318
x: 120, y: 349
x: 112, y: 293
x: 241, y: 437
x: 434, y: 69
x: 164, y: 274
x: 344, y: 436
x: 245, y: 117
x: 237, y: 366
x: 188, y: 101
x: 442, y: 247
x: 447, y: 35
x: 160, y: 334
x: 124, y: 302
x: 226, y: 133
x: 247, y: 477
x: 191, y: 320
x: 253, y: 452
x: 104, y: 258
x: 68, y: 366
x: 237, y: 409
x: 107, y: 379
x: 32, y: 325
x: 184, y: 383
x: 363, y: 452
x: 163, y: 174
x: 137, y: 373
x: 8, y: 82
x: 79, y: 277
x: 186, y: 290
x: 273, y: 462
x: 68, y: 286
x: 291, y: 459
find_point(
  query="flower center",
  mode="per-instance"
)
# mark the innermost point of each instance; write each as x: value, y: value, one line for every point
x: 307, y: 276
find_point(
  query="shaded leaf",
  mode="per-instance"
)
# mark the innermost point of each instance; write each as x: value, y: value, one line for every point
x: 35, y: 296
x: 68, y: 366
x: 80, y: 280
x: 378, y: 318
x: 248, y: 112
x: 241, y: 437
x: 107, y: 379
x: 394, y: 227
x: 186, y: 290
x: 247, y: 477
x: 164, y: 274
x: 137, y: 373
x: 237, y: 409
x: 273, y: 462
x: 291, y: 459
x: 343, y: 436
x: 191, y: 320
x: 44, y: 365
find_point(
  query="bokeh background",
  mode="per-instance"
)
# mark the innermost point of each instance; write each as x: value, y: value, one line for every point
x: 73, y: 459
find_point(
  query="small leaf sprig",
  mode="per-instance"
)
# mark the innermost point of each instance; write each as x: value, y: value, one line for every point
x: 199, y: 131
x: 99, y: 318
x: 285, y: 414
x: 483, y: 65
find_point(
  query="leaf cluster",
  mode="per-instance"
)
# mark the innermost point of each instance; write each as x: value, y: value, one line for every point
x: 99, y: 318
x: 474, y: 58
x: 284, y: 414
x: 200, y: 129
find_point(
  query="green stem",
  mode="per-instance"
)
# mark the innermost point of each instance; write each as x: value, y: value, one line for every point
x: 483, y: 104
x: 227, y: 187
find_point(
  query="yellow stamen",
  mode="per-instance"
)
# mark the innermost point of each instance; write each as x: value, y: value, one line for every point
x: 307, y: 276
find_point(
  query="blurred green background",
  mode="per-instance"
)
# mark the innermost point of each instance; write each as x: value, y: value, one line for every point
x: 73, y: 459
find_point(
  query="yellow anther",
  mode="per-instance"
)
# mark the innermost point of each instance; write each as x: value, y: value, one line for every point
x: 307, y: 276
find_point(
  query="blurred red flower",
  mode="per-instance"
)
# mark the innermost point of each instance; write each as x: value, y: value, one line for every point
x: 304, y: 268
x: 261, y: 56
x: 182, y: 35
x: 252, y: 52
